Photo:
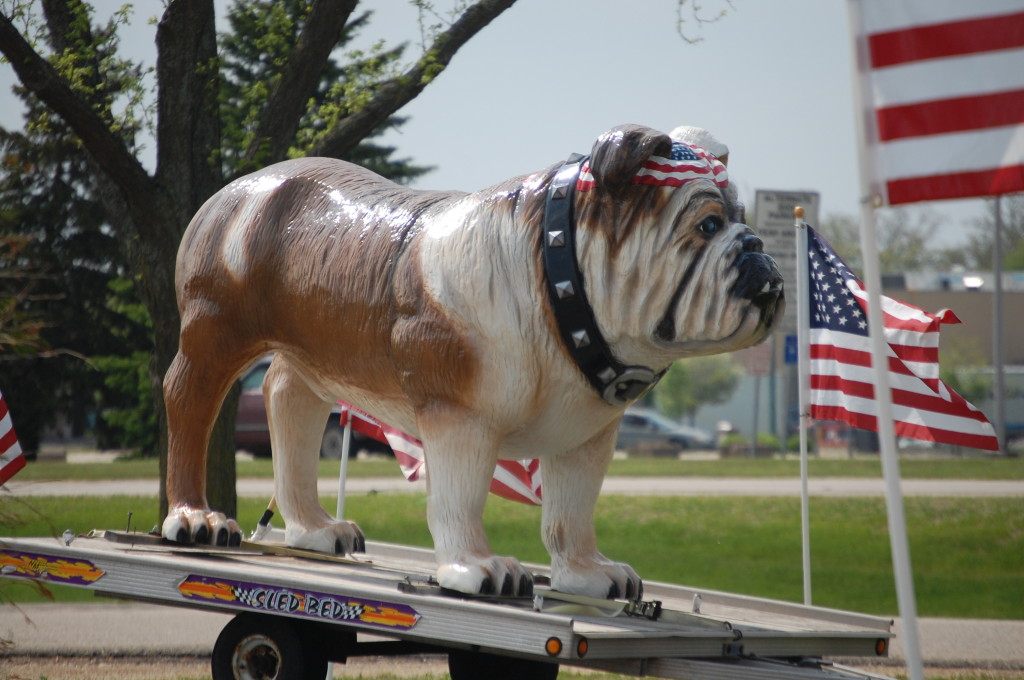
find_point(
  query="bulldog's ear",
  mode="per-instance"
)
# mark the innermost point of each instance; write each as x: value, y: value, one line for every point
x: 619, y: 153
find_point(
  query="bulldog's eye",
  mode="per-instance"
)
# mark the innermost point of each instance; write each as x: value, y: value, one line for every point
x: 710, y: 226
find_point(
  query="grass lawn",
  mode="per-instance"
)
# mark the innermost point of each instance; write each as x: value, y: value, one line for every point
x: 910, y: 468
x: 966, y: 553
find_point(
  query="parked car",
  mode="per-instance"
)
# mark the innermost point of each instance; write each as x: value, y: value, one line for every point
x: 642, y: 426
x: 252, y: 433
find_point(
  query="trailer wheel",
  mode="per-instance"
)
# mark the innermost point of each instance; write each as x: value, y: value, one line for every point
x: 465, y: 665
x: 254, y: 647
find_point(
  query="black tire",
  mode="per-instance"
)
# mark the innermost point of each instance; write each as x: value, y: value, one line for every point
x: 464, y: 665
x: 333, y: 440
x: 255, y: 647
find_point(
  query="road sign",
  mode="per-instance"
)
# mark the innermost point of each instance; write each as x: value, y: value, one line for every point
x: 773, y: 222
x: 791, y: 353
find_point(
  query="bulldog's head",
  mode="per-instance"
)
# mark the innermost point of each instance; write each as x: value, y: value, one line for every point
x: 669, y: 271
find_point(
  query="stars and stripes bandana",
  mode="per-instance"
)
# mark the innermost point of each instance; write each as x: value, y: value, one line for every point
x: 685, y: 164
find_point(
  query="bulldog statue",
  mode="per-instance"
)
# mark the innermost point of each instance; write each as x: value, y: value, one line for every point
x: 515, y: 322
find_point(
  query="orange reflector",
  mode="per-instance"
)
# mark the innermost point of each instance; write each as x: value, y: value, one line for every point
x: 582, y: 646
x: 553, y: 646
x: 881, y: 646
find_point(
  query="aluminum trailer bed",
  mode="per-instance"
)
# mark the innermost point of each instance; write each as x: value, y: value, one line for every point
x: 296, y: 611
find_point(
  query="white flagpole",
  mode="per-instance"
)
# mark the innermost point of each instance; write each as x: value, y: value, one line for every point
x: 346, y: 445
x: 803, y: 326
x: 902, y: 569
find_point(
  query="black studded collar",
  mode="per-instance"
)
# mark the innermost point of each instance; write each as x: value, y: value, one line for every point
x: 617, y: 383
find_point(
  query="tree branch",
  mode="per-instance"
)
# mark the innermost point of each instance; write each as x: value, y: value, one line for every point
x: 109, y: 151
x: 58, y: 22
x: 396, y: 93
x: 298, y: 80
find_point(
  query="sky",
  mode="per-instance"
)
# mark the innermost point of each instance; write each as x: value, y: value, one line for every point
x: 771, y: 79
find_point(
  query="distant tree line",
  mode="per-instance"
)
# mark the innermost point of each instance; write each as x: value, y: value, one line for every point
x: 907, y: 239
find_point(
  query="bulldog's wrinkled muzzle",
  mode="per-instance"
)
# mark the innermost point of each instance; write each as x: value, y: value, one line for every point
x: 759, y: 280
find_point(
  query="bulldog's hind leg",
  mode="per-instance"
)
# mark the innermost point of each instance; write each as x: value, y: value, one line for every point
x: 194, y: 389
x: 572, y: 483
x: 296, y: 416
x: 461, y: 454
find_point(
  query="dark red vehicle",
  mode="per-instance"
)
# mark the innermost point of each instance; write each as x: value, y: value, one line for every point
x: 253, y: 435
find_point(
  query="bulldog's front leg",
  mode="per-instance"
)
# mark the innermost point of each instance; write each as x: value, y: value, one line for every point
x: 461, y: 454
x: 572, y: 484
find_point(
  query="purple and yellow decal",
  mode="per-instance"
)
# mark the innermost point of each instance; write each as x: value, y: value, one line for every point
x: 52, y: 569
x: 298, y: 602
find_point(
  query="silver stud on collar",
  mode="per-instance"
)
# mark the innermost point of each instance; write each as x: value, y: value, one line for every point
x: 556, y: 239
x: 565, y: 289
x: 580, y: 338
x: 607, y: 375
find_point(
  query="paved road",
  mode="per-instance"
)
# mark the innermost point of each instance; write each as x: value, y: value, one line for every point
x: 658, y: 486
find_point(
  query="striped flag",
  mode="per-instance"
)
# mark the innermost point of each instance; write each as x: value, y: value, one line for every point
x: 516, y: 480
x: 945, y: 82
x: 841, y: 374
x: 685, y: 164
x: 11, y: 457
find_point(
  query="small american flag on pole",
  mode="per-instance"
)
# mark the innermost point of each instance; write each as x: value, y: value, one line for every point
x: 516, y: 480
x: 686, y: 164
x: 11, y: 457
x: 840, y: 360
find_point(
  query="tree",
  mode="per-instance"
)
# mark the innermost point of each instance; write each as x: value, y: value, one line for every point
x: 49, y: 199
x: 262, y: 35
x: 979, y: 245
x: 148, y: 211
x: 20, y: 325
x: 693, y: 383
x: 905, y: 239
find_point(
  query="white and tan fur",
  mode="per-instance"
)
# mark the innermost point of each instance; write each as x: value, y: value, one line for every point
x: 429, y: 311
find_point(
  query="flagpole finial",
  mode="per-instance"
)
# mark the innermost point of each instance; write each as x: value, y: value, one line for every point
x: 798, y: 212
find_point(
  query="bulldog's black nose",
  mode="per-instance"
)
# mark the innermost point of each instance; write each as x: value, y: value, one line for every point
x: 759, y: 278
x: 751, y: 243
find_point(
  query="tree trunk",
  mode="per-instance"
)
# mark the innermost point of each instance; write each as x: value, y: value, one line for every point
x: 188, y: 140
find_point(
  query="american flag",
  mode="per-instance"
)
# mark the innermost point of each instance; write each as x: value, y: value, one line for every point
x: 685, y: 164
x: 516, y: 480
x: 11, y: 457
x: 945, y: 82
x: 841, y: 375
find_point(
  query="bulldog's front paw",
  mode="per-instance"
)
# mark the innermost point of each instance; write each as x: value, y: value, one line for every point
x: 339, y: 537
x: 203, y: 526
x: 601, y: 578
x: 489, y: 576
